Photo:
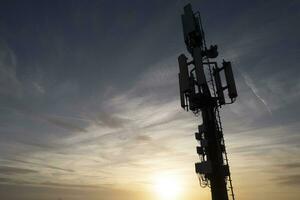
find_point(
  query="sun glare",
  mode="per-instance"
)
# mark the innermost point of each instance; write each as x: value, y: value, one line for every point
x: 167, y: 187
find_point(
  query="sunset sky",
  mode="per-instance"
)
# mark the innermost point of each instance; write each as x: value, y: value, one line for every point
x: 89, y: 99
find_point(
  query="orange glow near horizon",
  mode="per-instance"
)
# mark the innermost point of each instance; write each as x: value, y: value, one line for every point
x: 167, y: 186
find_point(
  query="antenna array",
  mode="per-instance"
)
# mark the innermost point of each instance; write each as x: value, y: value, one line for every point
x: 202, y: 91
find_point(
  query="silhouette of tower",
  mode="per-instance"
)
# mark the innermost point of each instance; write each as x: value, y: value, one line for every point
x: 202, y: 91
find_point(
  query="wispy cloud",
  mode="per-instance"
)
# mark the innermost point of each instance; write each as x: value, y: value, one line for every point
x: 11, y: 85
x: 250, y: 84
x: 15, y: 170
x: 100, y: 107
x: 289, y: 180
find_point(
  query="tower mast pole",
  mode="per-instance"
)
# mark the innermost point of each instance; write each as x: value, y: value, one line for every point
x: 203, y: 92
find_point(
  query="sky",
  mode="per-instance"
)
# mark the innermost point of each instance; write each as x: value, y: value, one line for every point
x: 89, y: 99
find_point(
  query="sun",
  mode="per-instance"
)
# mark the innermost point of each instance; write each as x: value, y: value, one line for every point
x: 167, y: 187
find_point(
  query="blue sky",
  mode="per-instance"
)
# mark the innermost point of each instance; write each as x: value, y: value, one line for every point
x: 90, y: 106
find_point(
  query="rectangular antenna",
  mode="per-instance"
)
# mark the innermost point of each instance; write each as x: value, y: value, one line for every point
x: 203, y: 168
x: 184, y: 74
x: 201, y: 128
x: 232, y: 93
x: 188, y: 22
x: 219, y: 86
x: 191, y: 27
x: 182, y: 95
x: 200, y: 75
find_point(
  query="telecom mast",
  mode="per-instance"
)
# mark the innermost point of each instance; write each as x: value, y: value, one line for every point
x: 202, y: 91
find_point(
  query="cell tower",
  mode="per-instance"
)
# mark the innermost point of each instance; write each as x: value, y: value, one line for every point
x: 202, y: 91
